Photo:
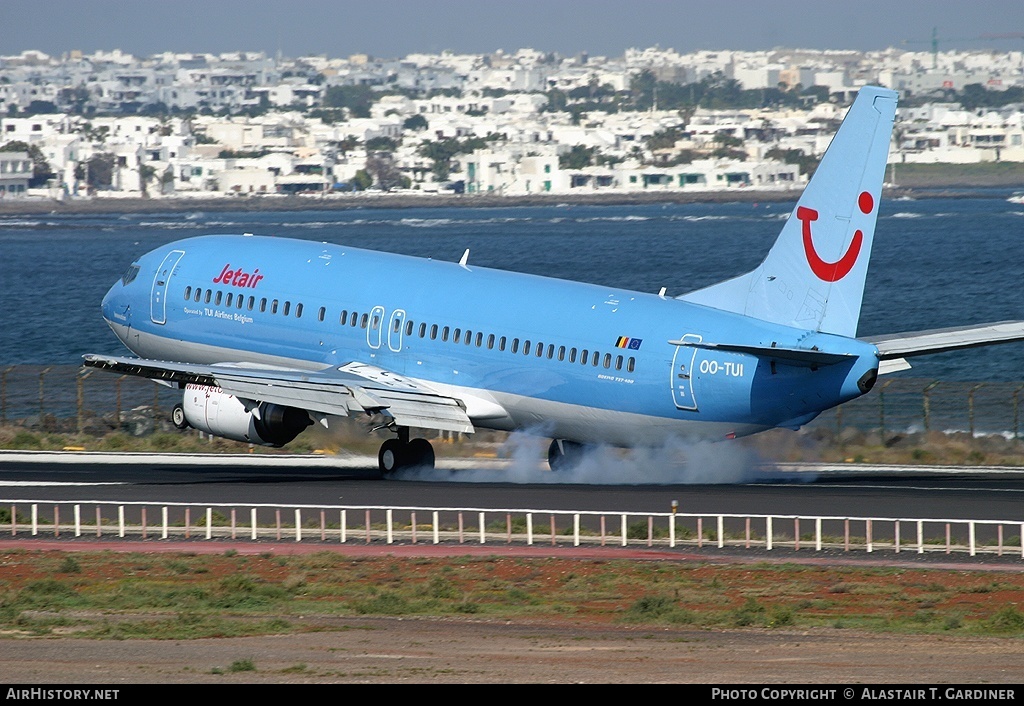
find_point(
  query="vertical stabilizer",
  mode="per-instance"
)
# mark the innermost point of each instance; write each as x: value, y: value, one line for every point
x: 813, y: 277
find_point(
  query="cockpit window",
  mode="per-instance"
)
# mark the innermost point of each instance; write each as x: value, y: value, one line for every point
x: 130, y: 274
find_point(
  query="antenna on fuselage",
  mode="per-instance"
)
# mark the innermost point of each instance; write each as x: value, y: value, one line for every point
x: 465, y: 258
x: 662, y: 292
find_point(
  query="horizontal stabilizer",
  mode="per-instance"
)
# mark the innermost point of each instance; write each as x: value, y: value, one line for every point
x: 906, y: 345
x: 804, y: 357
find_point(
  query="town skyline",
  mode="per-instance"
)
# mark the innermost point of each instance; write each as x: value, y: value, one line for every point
x: 431, y: 26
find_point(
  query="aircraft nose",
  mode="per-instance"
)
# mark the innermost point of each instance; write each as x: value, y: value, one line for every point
x: 115, y: 306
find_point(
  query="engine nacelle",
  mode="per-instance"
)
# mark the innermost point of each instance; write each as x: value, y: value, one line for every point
x: 212, y: 410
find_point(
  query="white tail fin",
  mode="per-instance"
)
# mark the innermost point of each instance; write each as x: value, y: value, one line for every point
x: 814, y: 275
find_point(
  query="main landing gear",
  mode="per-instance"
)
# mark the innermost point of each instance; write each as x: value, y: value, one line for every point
x: 564, y: 455
x: 401, y: 453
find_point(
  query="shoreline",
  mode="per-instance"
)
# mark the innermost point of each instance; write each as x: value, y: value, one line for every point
x: 414, y: 200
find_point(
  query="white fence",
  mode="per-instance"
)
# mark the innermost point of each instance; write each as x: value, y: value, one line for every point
x: 369, y: 524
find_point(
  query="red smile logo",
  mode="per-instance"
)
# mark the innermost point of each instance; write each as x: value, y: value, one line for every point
x: 833, y: 271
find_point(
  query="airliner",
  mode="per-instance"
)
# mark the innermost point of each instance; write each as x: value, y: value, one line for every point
x: 266, y: 336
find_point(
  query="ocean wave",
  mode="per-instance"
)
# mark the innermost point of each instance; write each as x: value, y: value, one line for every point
x: 613, y: 219
x: 171, y: 225
x: 24, y: 224
x: 907, y: 214
x: 426, y: 222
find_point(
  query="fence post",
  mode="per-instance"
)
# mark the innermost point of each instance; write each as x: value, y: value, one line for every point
x: 3, y: 393
x: 926, y: 396
x: 117, y: 403
x: 42, y: 396
x: 970, y: 406
x: 768, y: 533
x: 80, y: 384
x: 1016, y: 411
x: 881, y: 410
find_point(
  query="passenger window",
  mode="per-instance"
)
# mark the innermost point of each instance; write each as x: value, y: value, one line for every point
x: 230, y: 298
x: 209, y: 295
x: 398, y: 325
x: 607, y: 360
x: 263, y: 304
x: 273, y: 307
x: 561, y: 352
x: 287, y: 308
x: 469, y: 337
x: 252, y: 303
x: 457, y: 335
x: 344, y: 317
x: 298, y: 310
x: 551, y: 351
x: 239, y: 301
x: 596, y: 359
x: 572, y: 355
x: 199, y: 293
x: 490, y: 342
x: 423, y: 330
x: 444, y: 334
x: 515, y: 345
x: 408, y: 328
x: 501, y: 343
x: 354, y: 321
x: 376, y: 320
x: 631, y: 364
x: 433, y: 332
x: 583, y: 356
x: 526, y: 347
x: 618, y: 362
x: 540, y: 349
x: 479, y: 339
x: 322, y: 313
x: 364, y: 320
x: 188, y: 293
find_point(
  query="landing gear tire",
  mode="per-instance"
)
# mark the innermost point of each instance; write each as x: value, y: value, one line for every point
x: 396, y: 455
x: 391, y: 456
x: 420, y: 454
x: 178, y: 417
x: 564, y: 455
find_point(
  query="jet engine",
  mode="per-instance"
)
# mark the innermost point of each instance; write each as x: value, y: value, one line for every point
x: 212, y: 410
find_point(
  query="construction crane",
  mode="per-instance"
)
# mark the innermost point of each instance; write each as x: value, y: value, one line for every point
x: 934, y: 41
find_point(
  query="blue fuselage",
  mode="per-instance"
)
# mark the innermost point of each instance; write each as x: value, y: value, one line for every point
x: 581, y: 361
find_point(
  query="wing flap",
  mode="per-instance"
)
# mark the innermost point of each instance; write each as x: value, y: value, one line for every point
x: 335, y: 391
x: 912, y: 343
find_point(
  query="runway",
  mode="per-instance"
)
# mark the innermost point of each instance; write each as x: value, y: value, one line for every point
x: 980, y: 493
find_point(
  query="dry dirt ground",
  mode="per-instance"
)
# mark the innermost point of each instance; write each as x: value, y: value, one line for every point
x: 390, y: 650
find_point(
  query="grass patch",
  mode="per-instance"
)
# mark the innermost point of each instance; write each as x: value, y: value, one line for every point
x: 127, y: 596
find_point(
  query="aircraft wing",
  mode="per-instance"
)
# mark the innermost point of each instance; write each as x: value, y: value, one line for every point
x: 905, y: 345
x: 354, y: 387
